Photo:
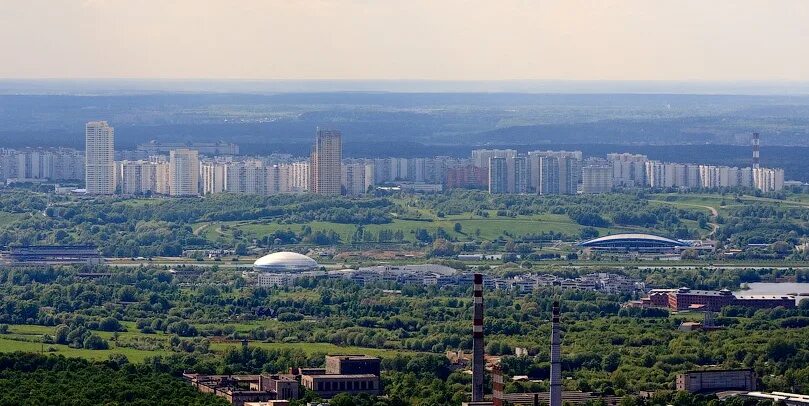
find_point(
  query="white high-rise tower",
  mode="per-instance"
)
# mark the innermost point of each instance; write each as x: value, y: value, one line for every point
x: 99, y: 161
x: 325, y: 166
x: 184, y: 172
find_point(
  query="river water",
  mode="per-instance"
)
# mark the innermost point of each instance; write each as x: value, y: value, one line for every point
x: 775, y: 288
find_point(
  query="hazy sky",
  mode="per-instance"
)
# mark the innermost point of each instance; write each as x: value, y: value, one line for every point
x: 409, y: 39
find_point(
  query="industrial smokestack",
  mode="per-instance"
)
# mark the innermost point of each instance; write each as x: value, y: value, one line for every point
x: 477, y: 340
x: 498, y: 386
x: 756, y: 145
x: 556, y: 359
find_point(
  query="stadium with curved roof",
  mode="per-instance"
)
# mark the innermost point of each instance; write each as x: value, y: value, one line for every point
x: 285, y: 262
x: 633, y: 242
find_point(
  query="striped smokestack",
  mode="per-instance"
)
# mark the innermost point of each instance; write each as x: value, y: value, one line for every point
x: 556, y: 359
x: 498, y: 386
x: 756, y: 145
x: 477, y: 340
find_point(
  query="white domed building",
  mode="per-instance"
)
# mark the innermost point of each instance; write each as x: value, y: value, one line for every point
x: 285, y: 262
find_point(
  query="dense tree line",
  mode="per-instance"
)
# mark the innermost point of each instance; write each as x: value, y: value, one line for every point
x: 605, y: 347
x: 30, y: 379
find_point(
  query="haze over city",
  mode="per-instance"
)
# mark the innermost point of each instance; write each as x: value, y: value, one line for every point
x: 395, y: 40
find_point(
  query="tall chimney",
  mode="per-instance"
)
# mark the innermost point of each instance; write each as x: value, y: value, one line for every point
x: 498, y: 386
x: 477, y: 340
x: 556, y: 359
x: 756, y: 162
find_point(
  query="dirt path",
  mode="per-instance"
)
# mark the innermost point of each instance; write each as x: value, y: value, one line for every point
x: 201, y: 228
x: 711, y: 221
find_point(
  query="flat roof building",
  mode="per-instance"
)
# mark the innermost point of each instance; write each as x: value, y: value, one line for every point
x: 352, y: 364
x: 330, y: 385
x: 353, y: 374
x: 717, y: 380
x: 789, y: 399
x: 711, y: 300
x: 242, y: 389
x: 52, y: 255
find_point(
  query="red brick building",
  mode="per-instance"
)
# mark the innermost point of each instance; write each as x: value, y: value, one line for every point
x: 466, y: 177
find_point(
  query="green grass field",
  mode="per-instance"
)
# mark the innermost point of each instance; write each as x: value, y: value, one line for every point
x: 489, y: 228
x: 134, y: 355
x: 28, y: 338
x: 310, y: 348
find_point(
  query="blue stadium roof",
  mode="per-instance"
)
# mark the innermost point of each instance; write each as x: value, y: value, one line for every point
x: 630, y: 239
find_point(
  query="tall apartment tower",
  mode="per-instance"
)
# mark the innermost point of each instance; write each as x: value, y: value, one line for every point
x: 556, y: 359
x: 184, y: 172
x: 555, y: 172
x: 477, y: 339
x: 596, y: 178
x: 99, y: 158
x: 498, y: 175
x: 518, y: 175
x: 548, y: 179
x: 756, y: 146
x: 628, y: 170
x: 325, y: 169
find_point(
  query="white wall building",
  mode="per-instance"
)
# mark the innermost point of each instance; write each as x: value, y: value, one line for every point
x: 137, y: 177
x: 214, y: 177
x: 184, y: 172
x: 768, y: 179
x: 628, y: 170
x: 99, y: 141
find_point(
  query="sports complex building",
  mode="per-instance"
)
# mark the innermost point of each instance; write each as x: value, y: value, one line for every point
x: 634, y: 242
x: 285, y: 262
x: 283, y: 268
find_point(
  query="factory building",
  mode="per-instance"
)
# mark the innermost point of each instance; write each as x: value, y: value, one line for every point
x: 239, y: 390
x: 717, y: 380
x: 353, y: 374
x: 710, y: 300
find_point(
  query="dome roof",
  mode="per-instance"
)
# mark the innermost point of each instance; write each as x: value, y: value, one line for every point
x: 285, y: 262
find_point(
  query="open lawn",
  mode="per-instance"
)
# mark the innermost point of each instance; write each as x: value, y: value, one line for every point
x: 28, y: 338
x: 309, y: 348
x: 490, y: 228
x: 715, y: 201
x: 9, y: 345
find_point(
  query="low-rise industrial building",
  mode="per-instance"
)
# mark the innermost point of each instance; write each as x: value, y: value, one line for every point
x: 716, y: 380
x: 354, y: 374
x: 330, y: 385
x: 241, y: 389
x: 52, y: 255
x: 352, y: 364
x: 709, y: 300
